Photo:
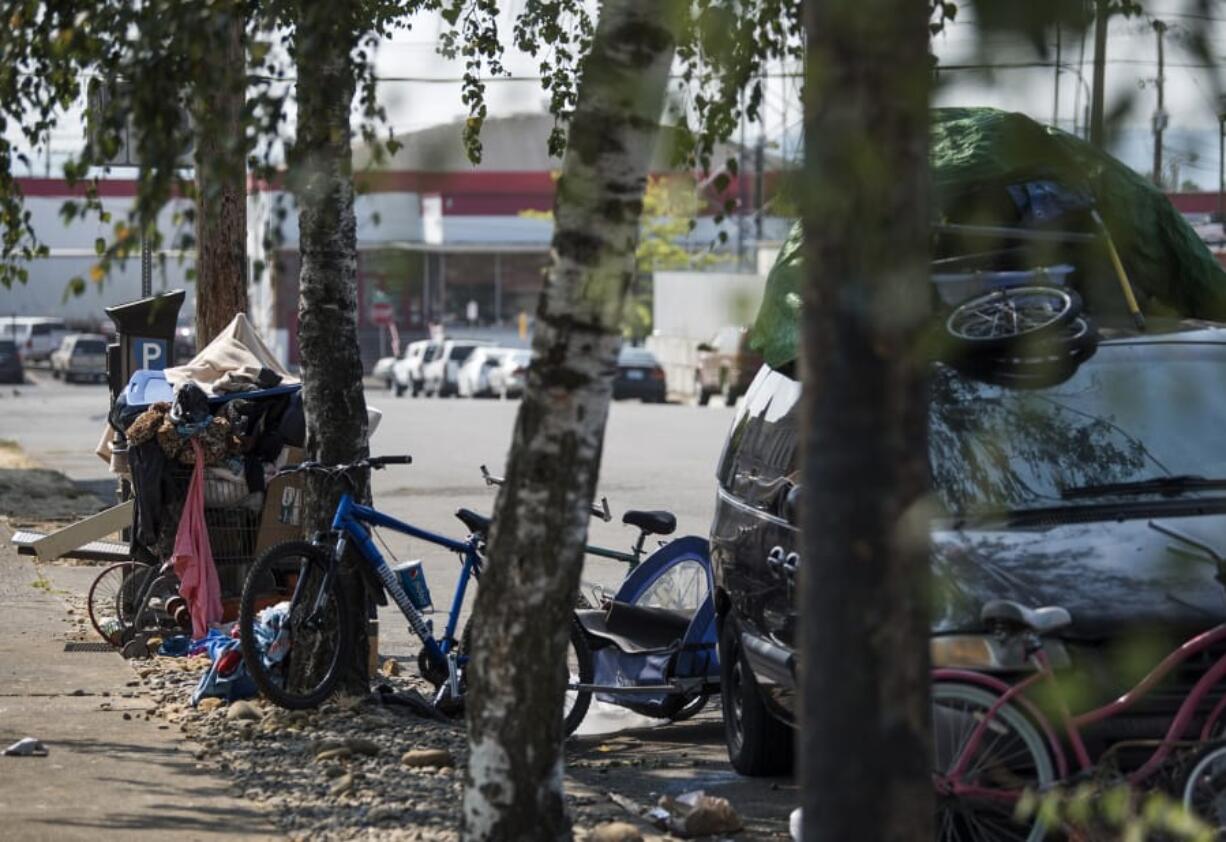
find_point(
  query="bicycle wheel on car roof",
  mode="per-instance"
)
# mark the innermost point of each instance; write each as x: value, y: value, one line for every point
x: 1011, y: 759
x: 296, y: 651
x: 1000, y: 319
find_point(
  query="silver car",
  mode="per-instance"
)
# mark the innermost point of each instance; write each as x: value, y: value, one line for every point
x: 81, y: 356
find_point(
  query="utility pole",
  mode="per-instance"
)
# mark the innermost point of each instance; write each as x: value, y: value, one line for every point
x: 1055, y: 100
x: 759, y: 187
x: 1101, y: 14
x: 1221, y: 160
x: 1160, y: 112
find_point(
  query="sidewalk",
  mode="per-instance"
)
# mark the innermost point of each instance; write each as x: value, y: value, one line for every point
x: 106, y: 776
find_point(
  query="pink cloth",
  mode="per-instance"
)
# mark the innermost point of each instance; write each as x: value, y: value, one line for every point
x: 193, y: 557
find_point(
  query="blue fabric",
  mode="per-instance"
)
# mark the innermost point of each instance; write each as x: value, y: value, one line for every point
x: 237, y: 685
x: 176, y: 646
x: 271, y: 633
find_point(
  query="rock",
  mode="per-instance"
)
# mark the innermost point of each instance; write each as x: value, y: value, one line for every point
x: 243, y: 710
x: 615, y: 832
x: 333, y: 771
x: 361, y: 745
x: 422, y: 758
x: 383, y: 813
x: 343, y: 784
x: 390, y: 667
x: 341, y: 753
x: 78, y: 692
x: 127, y: 716
x: 211, y: 703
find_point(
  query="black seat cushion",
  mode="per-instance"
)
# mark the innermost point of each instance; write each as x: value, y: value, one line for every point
x: 1045, y: 620
x: 636, y: 628
x: 653, y: 523
x: 477, y: 524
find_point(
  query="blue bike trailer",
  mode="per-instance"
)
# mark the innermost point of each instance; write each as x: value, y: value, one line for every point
x: 658, y: 631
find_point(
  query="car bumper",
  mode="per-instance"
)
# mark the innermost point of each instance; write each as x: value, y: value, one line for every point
x: 648, y: 390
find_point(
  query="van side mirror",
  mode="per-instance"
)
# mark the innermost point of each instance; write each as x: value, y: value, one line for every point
x: 791, y: 506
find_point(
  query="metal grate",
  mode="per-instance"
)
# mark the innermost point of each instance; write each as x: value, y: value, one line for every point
x: 88, y: 646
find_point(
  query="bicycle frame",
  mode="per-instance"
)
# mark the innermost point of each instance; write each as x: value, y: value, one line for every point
x: 348, y: 524
x: 1072, y: 725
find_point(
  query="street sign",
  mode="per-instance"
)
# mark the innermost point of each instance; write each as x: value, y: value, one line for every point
x: 382, y: 311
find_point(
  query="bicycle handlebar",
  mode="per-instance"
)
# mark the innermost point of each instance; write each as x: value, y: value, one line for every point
x: 375, y: 463
x: 601, y: 511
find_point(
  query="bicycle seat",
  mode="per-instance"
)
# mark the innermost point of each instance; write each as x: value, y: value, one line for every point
x: 1045, y: 620
x: 653, y: 523
x: 477, y: 524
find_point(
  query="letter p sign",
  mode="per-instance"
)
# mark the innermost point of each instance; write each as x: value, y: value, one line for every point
x: 149, y: 354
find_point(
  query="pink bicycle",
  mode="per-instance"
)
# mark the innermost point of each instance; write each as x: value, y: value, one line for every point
x: 992, y: 743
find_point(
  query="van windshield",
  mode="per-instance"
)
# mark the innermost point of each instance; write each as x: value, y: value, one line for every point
x: 1132, y: 412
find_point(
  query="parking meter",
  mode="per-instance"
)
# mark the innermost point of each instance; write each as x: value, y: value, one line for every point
x: 146, y: 329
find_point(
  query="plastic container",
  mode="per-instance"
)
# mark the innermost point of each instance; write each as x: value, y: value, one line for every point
x: 413, y: 580
x: 956, y: 287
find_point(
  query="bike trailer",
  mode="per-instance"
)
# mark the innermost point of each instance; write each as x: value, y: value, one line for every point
x: 654, y: 645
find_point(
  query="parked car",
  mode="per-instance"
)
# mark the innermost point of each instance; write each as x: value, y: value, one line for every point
x: 473, y: 378
x: 383, y: 372
x: 726, y: 366
x: 441, y: 373
x: 36, y: 336
x: 1049, y: 497
x: 639, y: 375
x: 407, y: 371
x: 507, y: 378
x: 81, y: 356
x: 11, y: 370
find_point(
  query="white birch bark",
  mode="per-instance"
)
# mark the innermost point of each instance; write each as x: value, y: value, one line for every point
x: 513, y: 787
x: 322, y: 179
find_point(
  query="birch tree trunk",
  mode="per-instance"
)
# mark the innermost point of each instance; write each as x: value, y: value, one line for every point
x: 221, y: 186
x: 863, y: 740
x: 322, y: 179
x: 513, y: 788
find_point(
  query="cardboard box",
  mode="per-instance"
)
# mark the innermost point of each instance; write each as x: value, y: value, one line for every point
x: 281, y: 519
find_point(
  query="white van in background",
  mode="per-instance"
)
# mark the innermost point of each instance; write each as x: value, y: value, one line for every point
x: 36, y: 336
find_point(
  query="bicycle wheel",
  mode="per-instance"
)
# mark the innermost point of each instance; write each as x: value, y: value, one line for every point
x: 298, y: 665
x: 682, y: 586
x: 579, y: 670
x: 999, y: 319
x: 111, y: 603
x: 1012, y: 757
x: 1204, y: 790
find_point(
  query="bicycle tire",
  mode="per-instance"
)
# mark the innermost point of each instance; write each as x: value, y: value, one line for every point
x: 1047, y: 310
x: 1032, y: 772
x: 573, y: 718
x: 104, y: 596
x: 1204, y: 788
x: 276, y: 564
x: 690, y: 708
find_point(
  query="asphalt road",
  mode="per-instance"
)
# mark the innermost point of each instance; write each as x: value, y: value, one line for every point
x: 656, y: 456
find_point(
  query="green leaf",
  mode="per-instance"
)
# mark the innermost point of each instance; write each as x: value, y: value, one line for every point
x: 99, y: 246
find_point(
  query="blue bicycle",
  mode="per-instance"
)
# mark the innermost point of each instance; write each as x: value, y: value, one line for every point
x: 296, y: 654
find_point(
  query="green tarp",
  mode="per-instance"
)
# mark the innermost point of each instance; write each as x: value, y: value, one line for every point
x: 976, y: 153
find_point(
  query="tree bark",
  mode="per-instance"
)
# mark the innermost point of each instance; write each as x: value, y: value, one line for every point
x: 322, y: 179
x: 513, y: 787
x: 221, y: 186
x: 863, y: 741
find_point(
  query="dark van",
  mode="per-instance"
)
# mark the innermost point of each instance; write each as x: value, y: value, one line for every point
x: 1063, y: 495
